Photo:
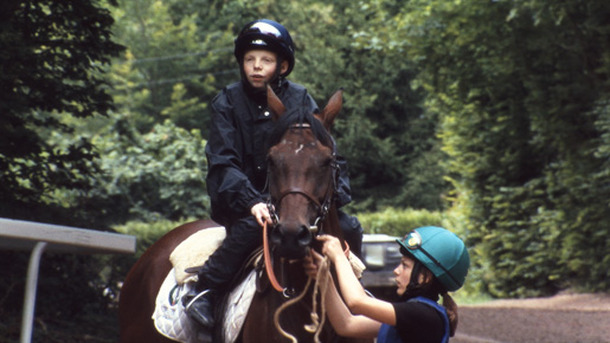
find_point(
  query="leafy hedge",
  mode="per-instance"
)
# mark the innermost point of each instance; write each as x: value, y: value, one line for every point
x: 398, y: 222
x: 148, y: 233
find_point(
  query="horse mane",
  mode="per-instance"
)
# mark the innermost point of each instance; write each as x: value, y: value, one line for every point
x: 299, y: 117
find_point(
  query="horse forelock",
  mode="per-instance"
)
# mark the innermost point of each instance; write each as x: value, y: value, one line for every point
x: 299, y: 117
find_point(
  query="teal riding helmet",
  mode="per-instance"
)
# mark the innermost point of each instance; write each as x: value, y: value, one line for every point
x: 441, y: 251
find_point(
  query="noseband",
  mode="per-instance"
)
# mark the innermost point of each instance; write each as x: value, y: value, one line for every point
x: 321, y: 208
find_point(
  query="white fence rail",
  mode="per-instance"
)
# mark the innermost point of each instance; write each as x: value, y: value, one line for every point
x: 39, y: 237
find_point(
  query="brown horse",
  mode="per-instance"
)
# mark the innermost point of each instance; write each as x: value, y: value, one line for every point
x: 140, y: 288
x: 302, y: 175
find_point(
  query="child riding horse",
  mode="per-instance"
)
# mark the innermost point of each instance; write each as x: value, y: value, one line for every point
x: 302, y: 178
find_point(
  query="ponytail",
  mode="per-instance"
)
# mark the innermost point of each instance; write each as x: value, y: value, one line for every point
x: 452, y: 312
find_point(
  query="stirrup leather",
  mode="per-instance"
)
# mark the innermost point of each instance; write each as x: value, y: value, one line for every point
x: 195, y: 298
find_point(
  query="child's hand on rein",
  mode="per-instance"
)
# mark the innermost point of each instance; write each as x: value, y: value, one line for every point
x: 331, y: 246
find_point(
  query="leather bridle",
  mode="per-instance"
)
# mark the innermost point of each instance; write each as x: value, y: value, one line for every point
x: 315, y: 228
x: 321, y: 208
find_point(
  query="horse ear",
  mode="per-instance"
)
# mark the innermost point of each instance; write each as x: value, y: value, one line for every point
x: 275, y: 104
x: 327, y: 117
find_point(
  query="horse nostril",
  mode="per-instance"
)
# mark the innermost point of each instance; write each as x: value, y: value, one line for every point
x: 276, y: 236
x: 304, y: 236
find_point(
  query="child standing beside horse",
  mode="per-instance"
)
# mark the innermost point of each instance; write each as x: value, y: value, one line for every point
x: 236, y: 153
x: 434, y: 261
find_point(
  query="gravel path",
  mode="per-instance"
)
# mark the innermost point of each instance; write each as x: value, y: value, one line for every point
x: 567, y: 318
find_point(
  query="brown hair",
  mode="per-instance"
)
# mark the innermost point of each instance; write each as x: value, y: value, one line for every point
x: 452, y: 312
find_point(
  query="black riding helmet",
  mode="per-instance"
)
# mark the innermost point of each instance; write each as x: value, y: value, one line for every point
x: 269, y: 35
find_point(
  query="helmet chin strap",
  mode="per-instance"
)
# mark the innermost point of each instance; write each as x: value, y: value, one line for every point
x: 415, y: 274
x: 412, y: 287
x: 277, y: 76
x: 430, y: 288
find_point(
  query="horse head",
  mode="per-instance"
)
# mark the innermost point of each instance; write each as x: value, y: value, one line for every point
x: 302, y: 174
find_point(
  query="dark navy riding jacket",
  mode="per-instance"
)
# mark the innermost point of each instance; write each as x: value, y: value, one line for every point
x: 237, y: 149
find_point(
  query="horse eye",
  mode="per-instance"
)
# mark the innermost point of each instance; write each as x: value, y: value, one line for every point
x: 327, y: 162
x: 272, y: 161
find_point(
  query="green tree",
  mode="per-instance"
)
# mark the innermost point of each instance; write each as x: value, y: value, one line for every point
x: 520, y: 88
x: 53, y: 52
x: 382, y: 129
x: 149, y: 177
x: 151, y: 146
x: 52, y: 60
x: 170, y: 67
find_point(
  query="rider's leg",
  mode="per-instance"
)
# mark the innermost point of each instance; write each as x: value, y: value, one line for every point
x: 243, y: 237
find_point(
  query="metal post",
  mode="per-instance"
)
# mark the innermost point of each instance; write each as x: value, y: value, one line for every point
x: 27, y: 321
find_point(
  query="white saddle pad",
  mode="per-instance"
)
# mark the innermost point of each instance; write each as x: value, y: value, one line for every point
x: 172, y: 321
x: 194, y: 251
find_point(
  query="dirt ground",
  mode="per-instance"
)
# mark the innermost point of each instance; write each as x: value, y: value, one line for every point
x: 565, y: 318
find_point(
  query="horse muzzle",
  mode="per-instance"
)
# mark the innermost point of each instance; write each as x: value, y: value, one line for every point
x: 291, y: 239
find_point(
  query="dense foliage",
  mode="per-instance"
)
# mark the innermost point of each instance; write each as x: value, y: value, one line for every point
x: 149, y: 177
x: 174, y: 66
x: 521, y: 92
x: 51, y: 54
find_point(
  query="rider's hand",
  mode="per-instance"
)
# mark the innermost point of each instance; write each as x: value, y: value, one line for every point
x: 260, y: 211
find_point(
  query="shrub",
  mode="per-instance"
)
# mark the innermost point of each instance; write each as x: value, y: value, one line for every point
x: 397, y: 222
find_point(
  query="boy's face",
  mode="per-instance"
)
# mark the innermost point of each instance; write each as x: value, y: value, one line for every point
x: 260, y: 65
